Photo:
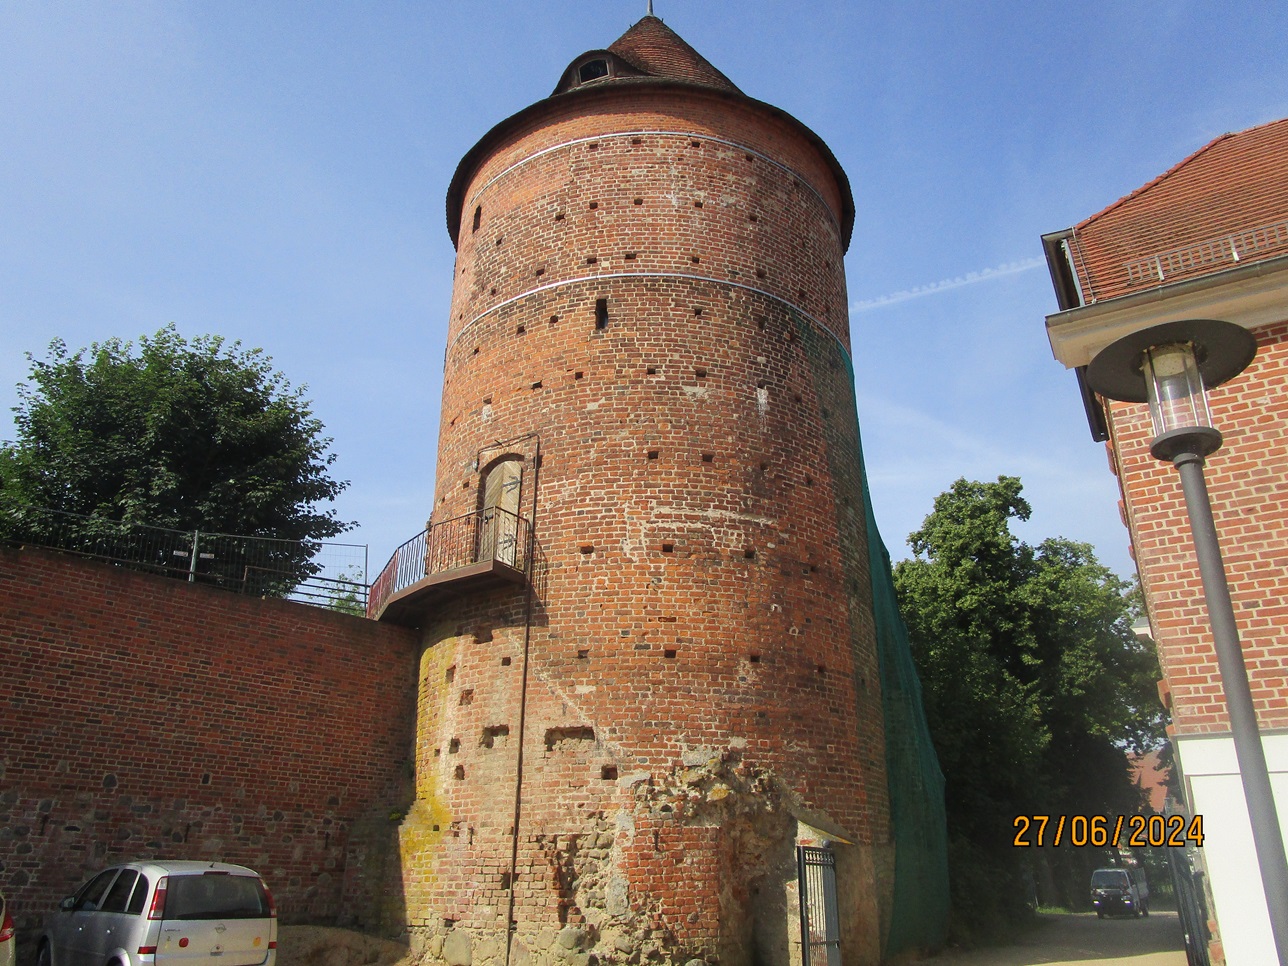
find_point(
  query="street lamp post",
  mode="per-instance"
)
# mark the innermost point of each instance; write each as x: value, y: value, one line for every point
x: 1168, y: 366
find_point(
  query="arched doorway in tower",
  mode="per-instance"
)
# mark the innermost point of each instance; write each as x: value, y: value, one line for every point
x: 499, y: 517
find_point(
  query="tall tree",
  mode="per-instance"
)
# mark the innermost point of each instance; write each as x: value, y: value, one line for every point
x: 189, y: 435
x: 1035, y: 684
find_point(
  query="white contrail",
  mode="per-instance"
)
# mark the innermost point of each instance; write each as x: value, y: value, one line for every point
x: 943, y: 285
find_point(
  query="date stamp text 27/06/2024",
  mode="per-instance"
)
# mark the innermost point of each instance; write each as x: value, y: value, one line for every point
x: 1099, y: 831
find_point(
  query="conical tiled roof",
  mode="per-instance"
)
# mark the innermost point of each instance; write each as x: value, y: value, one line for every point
x: 654, y: 48
x: 649, y: 55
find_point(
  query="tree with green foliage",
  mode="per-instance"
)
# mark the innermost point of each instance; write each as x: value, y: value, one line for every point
x: 1035, y: 687
x: 184, y: 434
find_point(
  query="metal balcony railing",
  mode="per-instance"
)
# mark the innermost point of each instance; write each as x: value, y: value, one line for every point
x: 491, y: 536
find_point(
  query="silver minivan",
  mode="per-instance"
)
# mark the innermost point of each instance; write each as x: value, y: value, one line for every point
x: 164, y: 914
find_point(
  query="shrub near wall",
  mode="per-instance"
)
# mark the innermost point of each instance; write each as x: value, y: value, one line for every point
x: 147, y: 717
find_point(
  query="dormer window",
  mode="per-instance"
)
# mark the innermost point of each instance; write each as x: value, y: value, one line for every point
x: 592, y: 70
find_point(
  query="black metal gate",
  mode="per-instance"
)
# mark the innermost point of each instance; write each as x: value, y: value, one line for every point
x: 820, y: 922
x: 1190, y: 906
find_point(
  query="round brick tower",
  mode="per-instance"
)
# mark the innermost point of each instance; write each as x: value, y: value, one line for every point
x: 648, y: 669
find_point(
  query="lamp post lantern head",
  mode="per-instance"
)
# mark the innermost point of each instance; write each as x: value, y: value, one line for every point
x: 1171, y: 366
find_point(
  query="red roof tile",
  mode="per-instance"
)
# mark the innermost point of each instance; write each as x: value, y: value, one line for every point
x: 1228, y: 197
x: 656, y: 49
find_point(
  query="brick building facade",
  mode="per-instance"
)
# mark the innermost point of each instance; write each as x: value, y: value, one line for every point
x: 1206, y: 240
x: 648, y: 371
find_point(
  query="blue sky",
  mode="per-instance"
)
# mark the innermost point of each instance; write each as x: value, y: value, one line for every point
x: 276, y: 173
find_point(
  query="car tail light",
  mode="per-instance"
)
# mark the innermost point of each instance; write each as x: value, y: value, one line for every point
x: 158, y: 900
x: 6, y: 928
x: 272, y: 906
x: 272, y: 944
x: 147, y: 950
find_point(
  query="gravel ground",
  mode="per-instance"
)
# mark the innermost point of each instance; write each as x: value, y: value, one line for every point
x: 1080, y: 939
x: 324, y: 946
x: 1057, y: 940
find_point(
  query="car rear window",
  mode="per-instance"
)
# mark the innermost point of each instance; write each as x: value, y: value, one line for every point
x: 216, y: 897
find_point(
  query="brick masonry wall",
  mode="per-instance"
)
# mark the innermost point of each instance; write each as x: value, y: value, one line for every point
x: 1246, y: 480
x: 147, y: 717
x: 698, y: 655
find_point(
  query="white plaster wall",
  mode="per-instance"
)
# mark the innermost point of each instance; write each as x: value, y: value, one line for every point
x: 1216, y: 792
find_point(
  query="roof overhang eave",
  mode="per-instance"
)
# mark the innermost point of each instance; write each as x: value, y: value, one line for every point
x: 1249, y: 295
x: 475, y: 155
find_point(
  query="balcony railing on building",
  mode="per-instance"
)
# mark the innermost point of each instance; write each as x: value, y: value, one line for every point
x: 483, y: 549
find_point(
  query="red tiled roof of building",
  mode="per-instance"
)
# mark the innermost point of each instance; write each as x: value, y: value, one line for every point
x: 1224, y: 205
x: 1150, y: 775
x: 657, y: 50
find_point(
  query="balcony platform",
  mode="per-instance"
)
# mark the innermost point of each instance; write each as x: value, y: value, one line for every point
x: 407, y: 607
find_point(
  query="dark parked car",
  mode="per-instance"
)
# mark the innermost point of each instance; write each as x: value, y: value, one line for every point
x: 164, y: 914
x: 1119, y: 890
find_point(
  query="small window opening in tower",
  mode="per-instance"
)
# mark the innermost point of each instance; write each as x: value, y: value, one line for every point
x: 592, y: 70
x: 478, y: 217
x: 601, y: 313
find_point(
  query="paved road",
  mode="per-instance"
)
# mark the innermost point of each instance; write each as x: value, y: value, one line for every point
x: 1083, y: 940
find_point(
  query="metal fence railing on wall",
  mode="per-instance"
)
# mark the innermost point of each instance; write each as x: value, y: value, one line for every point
x: 319, y: 572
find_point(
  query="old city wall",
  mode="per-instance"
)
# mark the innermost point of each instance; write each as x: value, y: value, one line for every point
x: 1245, y: 479
x: 148, y: 717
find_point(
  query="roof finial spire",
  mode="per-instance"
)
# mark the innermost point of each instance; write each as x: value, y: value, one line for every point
x: 650, y: 8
